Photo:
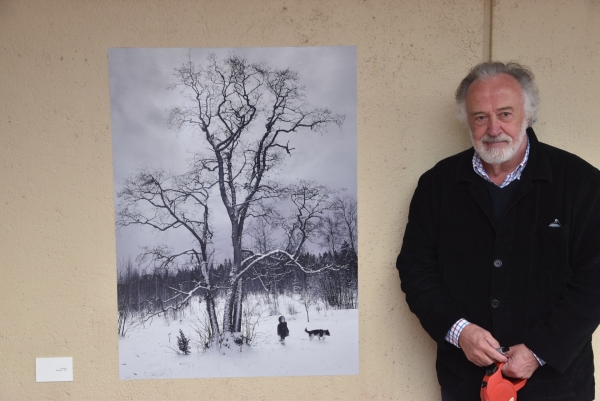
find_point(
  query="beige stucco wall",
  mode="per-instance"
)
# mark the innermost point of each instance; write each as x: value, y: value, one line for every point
x: 58, y: 281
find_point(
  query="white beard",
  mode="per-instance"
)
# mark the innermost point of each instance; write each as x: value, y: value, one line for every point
x: 497, y: 156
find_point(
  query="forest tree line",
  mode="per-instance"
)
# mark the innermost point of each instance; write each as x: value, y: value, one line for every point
x: 148, y: 293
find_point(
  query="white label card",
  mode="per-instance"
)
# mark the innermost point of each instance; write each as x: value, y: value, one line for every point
x: 54, y: 369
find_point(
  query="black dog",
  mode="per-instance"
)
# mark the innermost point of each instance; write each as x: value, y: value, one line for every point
x: 319, y: 332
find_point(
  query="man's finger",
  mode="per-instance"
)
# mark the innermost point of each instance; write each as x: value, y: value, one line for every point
x: 479, y: 346
x: 521, y: 362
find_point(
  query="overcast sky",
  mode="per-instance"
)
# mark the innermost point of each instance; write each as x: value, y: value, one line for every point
x: 140, y: 103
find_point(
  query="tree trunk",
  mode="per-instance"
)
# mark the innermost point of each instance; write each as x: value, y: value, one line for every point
x: 212, y: 315
x: 306, y: 306
x: 237, y: 307
x: 227, y: 313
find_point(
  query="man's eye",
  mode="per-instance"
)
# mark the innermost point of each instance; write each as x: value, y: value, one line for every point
x: 479, y: 120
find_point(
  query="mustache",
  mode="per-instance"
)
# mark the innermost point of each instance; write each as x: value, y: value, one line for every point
x: 495, y: 139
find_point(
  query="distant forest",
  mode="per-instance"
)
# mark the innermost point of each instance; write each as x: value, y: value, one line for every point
x: 143, y: 294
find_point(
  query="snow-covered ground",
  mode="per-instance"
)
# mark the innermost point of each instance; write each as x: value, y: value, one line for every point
x: 150, y: 352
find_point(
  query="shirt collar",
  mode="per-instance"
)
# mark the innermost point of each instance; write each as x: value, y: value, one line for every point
x: 513, y: 176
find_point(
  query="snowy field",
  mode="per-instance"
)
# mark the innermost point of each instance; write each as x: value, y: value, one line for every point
x: 151, y: 352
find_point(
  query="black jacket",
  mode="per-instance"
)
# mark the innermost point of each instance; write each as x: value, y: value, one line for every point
x: 282, y: 330
x: 523, y: 280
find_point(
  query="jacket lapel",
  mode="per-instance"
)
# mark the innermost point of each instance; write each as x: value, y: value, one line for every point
x: 476, y: 186
x: 480, y: 194
x: 537, y: 168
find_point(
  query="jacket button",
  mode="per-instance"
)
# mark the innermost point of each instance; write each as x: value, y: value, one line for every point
x: 497, y: 263
x: 495, y: 303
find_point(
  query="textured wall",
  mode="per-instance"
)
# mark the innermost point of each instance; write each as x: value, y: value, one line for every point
x: 560, y: 42
x: 58, y: 280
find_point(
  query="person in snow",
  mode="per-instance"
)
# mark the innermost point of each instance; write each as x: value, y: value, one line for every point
x: 282, y: 330
x: 502, y: 249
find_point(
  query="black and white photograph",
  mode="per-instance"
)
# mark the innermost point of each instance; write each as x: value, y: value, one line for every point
x: 235, y: 180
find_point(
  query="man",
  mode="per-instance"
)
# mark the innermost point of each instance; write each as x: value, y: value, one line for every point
x: 502, y: 249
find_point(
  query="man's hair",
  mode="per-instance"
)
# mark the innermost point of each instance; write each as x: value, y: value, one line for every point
x: 523, y: 75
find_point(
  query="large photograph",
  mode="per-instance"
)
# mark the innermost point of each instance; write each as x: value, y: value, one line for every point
x: 236, y: 211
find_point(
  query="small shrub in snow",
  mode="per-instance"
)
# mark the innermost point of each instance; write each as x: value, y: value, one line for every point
x: 291, y: 308
x: 204, y: 333
x: 183, y: 343
x: 251, y: 316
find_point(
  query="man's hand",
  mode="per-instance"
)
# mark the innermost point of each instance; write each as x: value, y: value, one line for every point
x: 479, y: 346
x: 521, y: 362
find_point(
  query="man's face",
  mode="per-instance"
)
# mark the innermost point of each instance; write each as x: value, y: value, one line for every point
x: 496, y: 118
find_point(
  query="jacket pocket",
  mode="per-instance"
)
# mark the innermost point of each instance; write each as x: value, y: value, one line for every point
x: 549, y: 271
x: 550, y: 250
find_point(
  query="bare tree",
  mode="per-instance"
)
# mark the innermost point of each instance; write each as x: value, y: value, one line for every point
x: 346, y: 210
x: 260, y: 233
x: 244, y: 114
x: 311, y: 203
x: 330, y: 233
x: 170, y: 202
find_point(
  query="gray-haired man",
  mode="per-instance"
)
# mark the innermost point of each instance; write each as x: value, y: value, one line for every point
x: 502, y: 249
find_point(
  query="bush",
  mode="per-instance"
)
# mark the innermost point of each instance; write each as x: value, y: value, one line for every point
x: 204, y: 333
x: 183, y: 342
x: 251, y: 315
x: 291, y: 308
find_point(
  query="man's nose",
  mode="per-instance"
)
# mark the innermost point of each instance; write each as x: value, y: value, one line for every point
x: 494, y: 126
